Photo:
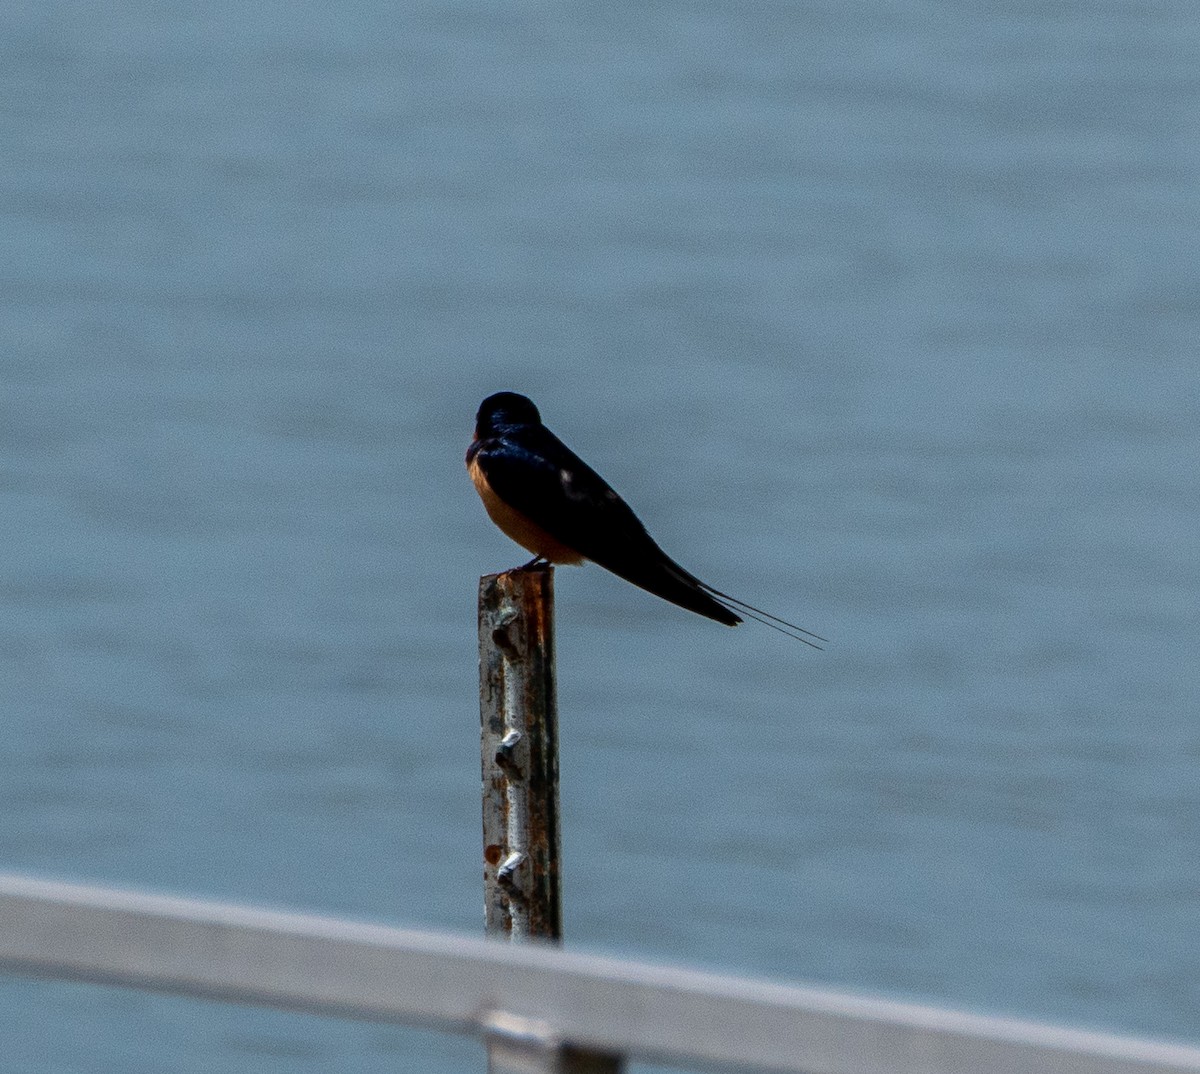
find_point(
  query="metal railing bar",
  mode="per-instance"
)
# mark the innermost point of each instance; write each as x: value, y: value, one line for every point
x: 355, y: 970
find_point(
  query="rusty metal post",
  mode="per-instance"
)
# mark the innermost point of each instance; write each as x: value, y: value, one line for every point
x: 518, y: 711
x: 519, y: 741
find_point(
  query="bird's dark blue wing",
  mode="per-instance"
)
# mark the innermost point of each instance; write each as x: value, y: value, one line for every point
x: 534, y: 472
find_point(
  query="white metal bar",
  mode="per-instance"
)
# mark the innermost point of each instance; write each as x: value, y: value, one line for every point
x: 354, y: 970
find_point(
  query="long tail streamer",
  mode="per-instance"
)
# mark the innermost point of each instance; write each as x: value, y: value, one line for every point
x: 766, y: 618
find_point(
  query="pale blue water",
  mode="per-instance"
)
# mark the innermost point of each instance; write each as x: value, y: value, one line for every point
x: 882, y: 316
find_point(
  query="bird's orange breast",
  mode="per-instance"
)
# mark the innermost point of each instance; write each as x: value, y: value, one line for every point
x: 527, y: 533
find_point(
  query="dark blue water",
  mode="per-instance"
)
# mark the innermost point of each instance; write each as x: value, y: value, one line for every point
x: 882, y: 316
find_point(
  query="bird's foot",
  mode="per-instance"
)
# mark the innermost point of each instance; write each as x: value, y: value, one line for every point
x: 534, y: 564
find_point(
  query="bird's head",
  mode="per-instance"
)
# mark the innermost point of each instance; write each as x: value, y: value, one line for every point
x: 505, y: 408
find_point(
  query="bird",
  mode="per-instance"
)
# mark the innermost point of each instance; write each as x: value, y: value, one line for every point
x: 552, y: 503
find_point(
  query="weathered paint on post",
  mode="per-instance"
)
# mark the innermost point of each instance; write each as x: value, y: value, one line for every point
x: 519, y: 745
x: 518, y: 712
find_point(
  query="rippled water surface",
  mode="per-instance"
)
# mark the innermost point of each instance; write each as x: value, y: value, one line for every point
x: 882, y: 316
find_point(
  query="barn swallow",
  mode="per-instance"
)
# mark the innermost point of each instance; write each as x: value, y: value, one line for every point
x: 548, y: 500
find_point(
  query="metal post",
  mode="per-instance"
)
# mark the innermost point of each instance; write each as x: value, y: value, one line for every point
x: 519, y: 740
x: 518, y: 712
x: 524, y: 1046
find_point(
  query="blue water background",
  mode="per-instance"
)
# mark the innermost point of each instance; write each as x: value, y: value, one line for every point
x: 882, y: 315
